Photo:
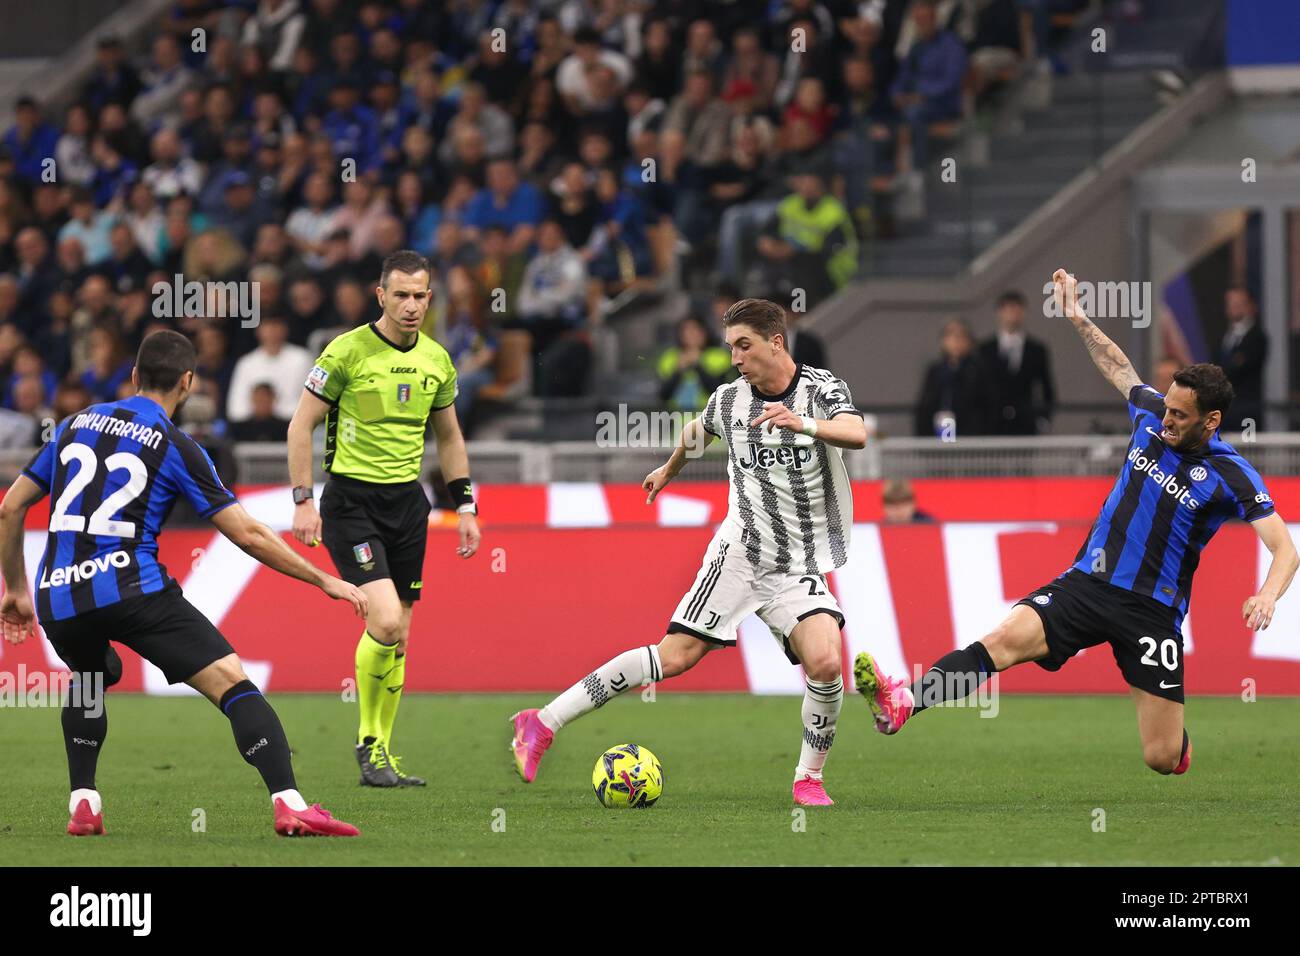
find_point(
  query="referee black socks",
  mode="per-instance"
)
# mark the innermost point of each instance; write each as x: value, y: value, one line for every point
x: 258, y: 735
x: 956, y: 675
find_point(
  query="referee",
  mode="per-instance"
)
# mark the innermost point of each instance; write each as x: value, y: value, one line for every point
x: 376, y: 388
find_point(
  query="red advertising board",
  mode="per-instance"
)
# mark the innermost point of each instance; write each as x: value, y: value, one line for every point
x: 571, y: 574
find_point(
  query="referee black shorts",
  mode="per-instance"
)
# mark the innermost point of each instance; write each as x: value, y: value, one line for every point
x: 163, y: 628
x: 375, y: 531
x: 1079, y: 611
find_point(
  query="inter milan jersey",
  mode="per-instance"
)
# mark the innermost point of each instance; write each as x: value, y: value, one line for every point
x: 1165, y: 507
x: 113, y: 473
x: 790, y: 506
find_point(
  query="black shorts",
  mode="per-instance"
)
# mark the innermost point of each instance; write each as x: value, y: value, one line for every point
x: 1080, y: 611
x: 163, y: 628
x: 376, y: 531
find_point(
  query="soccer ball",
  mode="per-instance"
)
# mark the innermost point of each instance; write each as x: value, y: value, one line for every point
x: 628, y: 776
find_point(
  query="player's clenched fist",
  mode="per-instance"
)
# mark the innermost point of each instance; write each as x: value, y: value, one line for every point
x: 1065, y: 293
x: 17, y: 617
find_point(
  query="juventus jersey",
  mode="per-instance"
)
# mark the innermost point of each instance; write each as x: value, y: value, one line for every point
x: 790, y: 507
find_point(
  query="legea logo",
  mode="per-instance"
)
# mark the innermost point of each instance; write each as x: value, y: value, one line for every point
x: 1169, y: 483
x: 72, y: 573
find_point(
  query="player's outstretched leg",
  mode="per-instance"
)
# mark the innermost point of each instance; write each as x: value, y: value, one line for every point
x: 85, y: 727
x: 1019, y: 638
x: 816, y: 642
x: 261, y: 740
x: 535, y: 729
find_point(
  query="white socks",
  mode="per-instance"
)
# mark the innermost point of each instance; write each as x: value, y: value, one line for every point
x: 632, y: 668
x: 96, y: 805
x: 292, y: 799
x: 821, y: 710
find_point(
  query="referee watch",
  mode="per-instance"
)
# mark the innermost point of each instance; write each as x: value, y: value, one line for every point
x: 302, y: 493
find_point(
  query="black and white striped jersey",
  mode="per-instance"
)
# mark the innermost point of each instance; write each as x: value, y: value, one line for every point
x: 790, y: 507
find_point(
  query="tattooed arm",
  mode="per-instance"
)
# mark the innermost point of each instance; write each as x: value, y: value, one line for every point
x: 1106, y: 355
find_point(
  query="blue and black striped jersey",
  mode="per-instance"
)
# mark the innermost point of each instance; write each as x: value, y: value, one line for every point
x: 113, y: 473
x: 1165, y: 507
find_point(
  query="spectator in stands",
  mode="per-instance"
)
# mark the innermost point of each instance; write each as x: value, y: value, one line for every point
x: 752, y: 64
x: 112, y: 170
x: 1021, y: 372
x: 351, y: 126
x: 573, y: 78
x: 110, y: 365
x: 126, y: 135
x: 928, y: 86
x: 1242, y: 354
x: 89, y: 226
x: 162, y: 81
x: 1162, y: 376
x: 36, y: 272
x: 308, y: 309
x: 898, y: 503
x: 492, y: 122
x: 552, y: 307
x: 450, y: 247
x: 690, y: 370
x: 214, y: 366
x: 75, y: 164
x: 572, y: 205
x: 275, y: 360
x: 1040, y: 14
x: 363, y: 208
x: 126, y: 267
x: 618, y: 251
x: 112, y: 79
x: 27, y: 363
x: 310, y: 224
x: 506, y: 202
x: 147, y: 222
x: 807, y: 52
x: 31, y: 141
x: 659, y: 68
x: 275, y: 28
x: 470, y: 340
x: 262, y: 423
x: 956, y: 392
x: 809, y: 242
x: 498, y: 272
x: 171, y: 173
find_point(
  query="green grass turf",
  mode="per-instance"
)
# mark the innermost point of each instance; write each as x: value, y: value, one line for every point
x: 952, y: 788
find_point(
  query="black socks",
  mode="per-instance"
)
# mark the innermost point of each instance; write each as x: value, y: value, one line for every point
x: 258, y: 735
x: 954, y: 676
x: 85, y: 725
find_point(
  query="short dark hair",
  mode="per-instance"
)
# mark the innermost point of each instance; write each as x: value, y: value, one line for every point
x: 403, y: 260
x: 163, y: 358
x: 1210, y: 383
x: 762, y: 315
x: 1010, y: 297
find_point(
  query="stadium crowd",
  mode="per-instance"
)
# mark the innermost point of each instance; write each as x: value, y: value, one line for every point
x: 545, y: 154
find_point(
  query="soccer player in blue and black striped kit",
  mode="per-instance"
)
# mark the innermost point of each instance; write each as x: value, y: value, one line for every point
x: 1131, y: 581
x: 113, y: 473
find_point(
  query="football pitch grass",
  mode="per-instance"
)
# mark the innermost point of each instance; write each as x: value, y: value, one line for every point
x: 1027, y: 787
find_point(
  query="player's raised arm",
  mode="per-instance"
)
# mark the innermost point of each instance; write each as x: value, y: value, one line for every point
x: 1257, y: 612
x: 311, y: 411
x: 17, y: 616
x: 694, y: 436
x: 1106, y: 355
x: 259, y: 541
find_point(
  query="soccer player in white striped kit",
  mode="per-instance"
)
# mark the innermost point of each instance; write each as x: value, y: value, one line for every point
x: 790, y: 511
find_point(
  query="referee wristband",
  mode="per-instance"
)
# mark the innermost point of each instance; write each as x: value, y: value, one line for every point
x: 462, y: 495
x: 809, y: 426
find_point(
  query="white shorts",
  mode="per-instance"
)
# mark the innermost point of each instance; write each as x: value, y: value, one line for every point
x: 728, y: 589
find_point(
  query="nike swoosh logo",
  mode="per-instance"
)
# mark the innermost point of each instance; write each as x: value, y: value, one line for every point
x: 1164, y: 686
x: 1155, y: 433
x: 393, y: 690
